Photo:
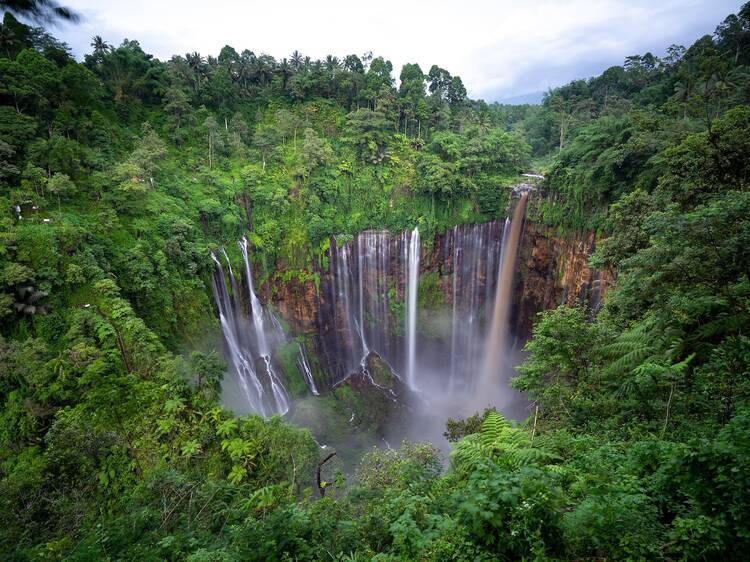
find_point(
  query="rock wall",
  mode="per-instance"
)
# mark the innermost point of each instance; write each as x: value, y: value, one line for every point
x: 554, y: 269
x: 297, y: 301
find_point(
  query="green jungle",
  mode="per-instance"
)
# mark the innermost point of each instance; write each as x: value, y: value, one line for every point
x: 121, y: 174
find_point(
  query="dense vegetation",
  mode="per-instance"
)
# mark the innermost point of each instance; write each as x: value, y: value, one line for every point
x: 118, y: 175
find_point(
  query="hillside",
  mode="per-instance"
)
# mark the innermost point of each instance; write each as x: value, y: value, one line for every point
x: 127, y: 183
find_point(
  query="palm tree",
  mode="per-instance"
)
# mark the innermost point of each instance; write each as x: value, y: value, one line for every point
x: 99, y: 44
x: 332, y: 63
x: 296, y: 60
x: 269, y: 68
x: 263, y: 68
x: 197, y: 66
x: 178, y: 69
x: 682, y: 92
x: 285, y: 71
x: 245, y: 67
x: 101, y: 48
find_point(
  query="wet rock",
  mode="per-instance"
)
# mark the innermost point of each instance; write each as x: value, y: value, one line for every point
x: 297, y: 302
x: 554, y: 269
x: 375, y: 395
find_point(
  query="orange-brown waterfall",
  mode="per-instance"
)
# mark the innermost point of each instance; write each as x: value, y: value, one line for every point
x: 497, y: 341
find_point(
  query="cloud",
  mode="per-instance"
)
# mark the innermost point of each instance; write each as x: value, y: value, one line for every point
x: 500, y: 48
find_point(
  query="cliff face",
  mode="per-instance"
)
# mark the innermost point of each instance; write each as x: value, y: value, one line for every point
x: 554, y: 270
x: 297, y: 302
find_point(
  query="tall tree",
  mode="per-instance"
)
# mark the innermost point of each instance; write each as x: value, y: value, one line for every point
x: 213, y: 135
x: 412, y: 96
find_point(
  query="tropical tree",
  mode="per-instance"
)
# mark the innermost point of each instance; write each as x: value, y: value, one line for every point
x: 100, y: 46
x: 213, y: 136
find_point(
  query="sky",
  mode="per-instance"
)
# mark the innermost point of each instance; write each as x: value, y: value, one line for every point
x: 504, y: 50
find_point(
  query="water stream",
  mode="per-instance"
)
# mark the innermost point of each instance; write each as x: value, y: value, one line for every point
x: 369, y: 297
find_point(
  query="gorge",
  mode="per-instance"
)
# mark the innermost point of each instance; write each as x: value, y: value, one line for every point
x: 447, y: 317
x: 335, y: 308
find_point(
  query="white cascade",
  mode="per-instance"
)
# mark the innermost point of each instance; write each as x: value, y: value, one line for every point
x: 240, y: 359
x: 411, y: 308
x: 279, y: 394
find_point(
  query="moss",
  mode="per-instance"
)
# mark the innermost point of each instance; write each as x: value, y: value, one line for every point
x: 381, y: 372
x: 344, y: 392
x: 431, y: 303
x: 319, y: 374
x: 372, y: 405
x: 287, y: 356
x: 397, y: 309
x: 430, y: 295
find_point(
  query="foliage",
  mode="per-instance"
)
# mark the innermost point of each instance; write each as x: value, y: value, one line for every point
x: 120, y: 175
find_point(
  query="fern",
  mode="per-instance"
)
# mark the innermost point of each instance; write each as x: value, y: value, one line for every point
x: 499, y: 441
x: 493, y: 428
x: 631, y: 349
x: 468, y: 452
x: 518, y: 458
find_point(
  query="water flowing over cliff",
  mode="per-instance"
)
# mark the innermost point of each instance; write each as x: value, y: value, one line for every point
x: 412, y: 255
x: 369, y: 302
x: 497, y: 344
x: 252, y: 334
x: 447, y: 317
x: 472, y: 260
x: 355, y: 314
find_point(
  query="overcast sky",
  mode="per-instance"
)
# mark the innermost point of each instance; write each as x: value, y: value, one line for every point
x: 501, y: 49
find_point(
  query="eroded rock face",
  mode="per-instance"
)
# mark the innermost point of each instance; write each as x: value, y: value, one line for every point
x: 376, y: 396
x: 554, y: 269
x: 297, y: 302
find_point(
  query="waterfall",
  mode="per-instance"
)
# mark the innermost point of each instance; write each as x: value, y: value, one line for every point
x: 247, y: 344
x: 497, y: 344
x: 376, y: 273
x: 360, y: 286
x: 349, y: 323
x: 278, y: 392
x: 232, y: 328
x: 304, y: 367
x: 255, y: 308
x: 474, y: 255
x: 365, y: 279
x: 374, y: 255
x: 413, y: 248
x: 368, y: 297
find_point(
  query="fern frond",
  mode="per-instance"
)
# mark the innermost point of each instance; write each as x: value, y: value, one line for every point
x: 629, y: 361
x: 492, y: 427
x: 467, y: 452
x: 518, y: 458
